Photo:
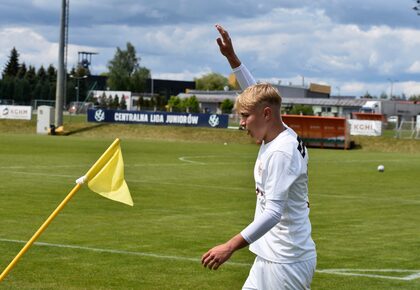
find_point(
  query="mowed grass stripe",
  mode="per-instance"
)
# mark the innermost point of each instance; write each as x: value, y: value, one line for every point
x: 361, y: 218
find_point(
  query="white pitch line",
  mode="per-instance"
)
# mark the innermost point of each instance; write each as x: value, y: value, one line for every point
x: 347, y: 272
x: 387, y: 199
x: 413, y: 276
x: 122, y: 252
x: 42, y: 174
x: 344, y: 272
x: 184, y: 159
x: 137, y: 181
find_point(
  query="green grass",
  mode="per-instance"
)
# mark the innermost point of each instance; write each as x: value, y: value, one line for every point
x: 361, y: 219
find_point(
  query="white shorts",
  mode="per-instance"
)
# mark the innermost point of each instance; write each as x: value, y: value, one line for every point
x: 266, y: 275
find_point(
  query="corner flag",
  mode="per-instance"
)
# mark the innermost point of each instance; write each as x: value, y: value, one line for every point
x: 105, y: 177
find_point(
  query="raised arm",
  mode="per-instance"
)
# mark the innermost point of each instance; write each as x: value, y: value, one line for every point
x: 243, y: 75
x: 226, y: 47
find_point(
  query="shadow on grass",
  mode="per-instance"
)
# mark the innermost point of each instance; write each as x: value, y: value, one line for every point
x: 83, y: 129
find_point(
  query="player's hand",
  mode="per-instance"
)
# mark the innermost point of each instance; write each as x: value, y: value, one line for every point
x: 226, y: 47
x: 216, y: 256
x: 224, y: 42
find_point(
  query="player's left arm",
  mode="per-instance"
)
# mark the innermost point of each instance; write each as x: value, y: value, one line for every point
x: 216, y: 256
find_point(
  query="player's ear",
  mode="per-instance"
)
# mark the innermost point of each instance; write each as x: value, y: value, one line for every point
x: 268, y: 113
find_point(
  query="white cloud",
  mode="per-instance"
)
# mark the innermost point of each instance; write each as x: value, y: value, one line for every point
x: 33, y: 48
x: 414, y: 68
x: 276, y: 39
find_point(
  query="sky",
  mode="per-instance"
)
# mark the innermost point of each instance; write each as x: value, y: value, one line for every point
x: 355, y: 46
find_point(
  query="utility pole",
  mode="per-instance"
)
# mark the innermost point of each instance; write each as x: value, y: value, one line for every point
x: 61, y: 69
x: 392, y: 85
x: 78, y: 85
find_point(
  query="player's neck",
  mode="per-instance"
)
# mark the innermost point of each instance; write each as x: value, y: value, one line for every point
x: 273, y: 131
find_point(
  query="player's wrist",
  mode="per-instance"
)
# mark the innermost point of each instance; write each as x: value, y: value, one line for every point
x: 236, y: 243
x: 233, y: 61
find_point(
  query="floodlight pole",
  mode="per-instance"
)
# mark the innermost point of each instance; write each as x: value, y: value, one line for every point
x: 59, y: 95
x: 78, y: 86
x: 392, y: 86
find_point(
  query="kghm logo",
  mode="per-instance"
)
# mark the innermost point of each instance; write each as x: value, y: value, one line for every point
x: 214, y: 120
x: 99, y: 115
x: 5, y: 111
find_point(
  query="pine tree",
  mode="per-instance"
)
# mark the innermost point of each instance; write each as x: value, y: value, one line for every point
x: 12, y: 65
x: 123, y: 105
x: 41, y: 75
x: 22, y: 71
x: 51, y: 73
x: 30, y: 77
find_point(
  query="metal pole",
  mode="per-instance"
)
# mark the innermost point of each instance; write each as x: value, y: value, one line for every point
x: 59, y: 95
x: 77, y: 92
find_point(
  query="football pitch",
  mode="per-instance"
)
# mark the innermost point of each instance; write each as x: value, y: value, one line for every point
x: 189, y: 196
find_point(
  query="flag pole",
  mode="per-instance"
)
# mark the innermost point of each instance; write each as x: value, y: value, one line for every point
x: 97, y: 165
x: 91, y: 172
x: 40, y: 231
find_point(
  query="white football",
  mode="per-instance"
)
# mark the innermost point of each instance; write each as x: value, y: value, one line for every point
x: 381, y: 168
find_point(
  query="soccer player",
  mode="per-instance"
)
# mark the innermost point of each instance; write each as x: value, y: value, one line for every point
x: 280, y: 235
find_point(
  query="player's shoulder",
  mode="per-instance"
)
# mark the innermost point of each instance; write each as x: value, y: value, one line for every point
x: 290, y: 144
x: 286, y: 141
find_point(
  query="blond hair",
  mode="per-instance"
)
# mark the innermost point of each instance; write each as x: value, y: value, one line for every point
x: 256, y: 95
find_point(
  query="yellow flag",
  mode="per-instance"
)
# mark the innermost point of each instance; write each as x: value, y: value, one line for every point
x: 106, y: 176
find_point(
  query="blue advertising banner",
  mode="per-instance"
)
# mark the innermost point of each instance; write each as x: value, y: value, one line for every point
x: 158, y: 118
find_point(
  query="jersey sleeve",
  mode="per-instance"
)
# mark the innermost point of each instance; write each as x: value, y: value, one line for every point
x: 264, y: 222
x: 244, y: 76
x: 280, y: 176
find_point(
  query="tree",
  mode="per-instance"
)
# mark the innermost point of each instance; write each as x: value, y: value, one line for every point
x: 226, y: 106
x: 125, y: 72
x: 41, y: 74
x: 174, y: 104
x: 22, y: 71
x: 138, y: 80
x: 109, y: 102
x: 367, y: 95
x: 383, y: 96
x: 115, y: 102
x: 191, y: 105
x: 301, y: 110
x: 211, y: 82
x: 51, y: 73
x: 123, y: 104
x: 30, y: 77
x: 102, y: 101
x: 12, y: 66
x: 414, y: 98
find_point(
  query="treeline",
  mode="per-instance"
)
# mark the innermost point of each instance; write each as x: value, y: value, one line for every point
x: 22, y: 85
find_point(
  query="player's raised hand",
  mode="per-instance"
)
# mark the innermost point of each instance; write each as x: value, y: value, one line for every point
x: 226, y: 47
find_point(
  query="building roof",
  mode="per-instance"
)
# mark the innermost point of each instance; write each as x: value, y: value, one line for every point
x: 220, y: 96
x: 324, y: 102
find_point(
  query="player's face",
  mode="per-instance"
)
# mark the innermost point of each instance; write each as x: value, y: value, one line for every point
x: 253, y: 122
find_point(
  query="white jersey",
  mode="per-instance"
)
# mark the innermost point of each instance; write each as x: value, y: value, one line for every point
x: 281, y: 174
